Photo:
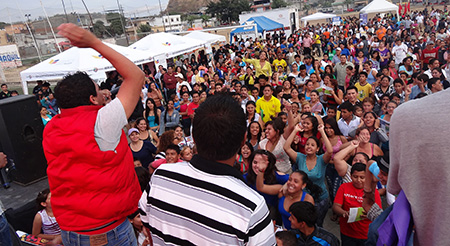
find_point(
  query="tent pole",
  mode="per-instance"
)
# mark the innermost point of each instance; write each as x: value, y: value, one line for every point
x: 256, y: 30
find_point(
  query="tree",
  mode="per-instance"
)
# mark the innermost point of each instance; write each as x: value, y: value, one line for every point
x: 99, y: 29
x: 190, y: 19
x: 116, y: 27
x: 205, y: 19
x: 228, y: 10
x: 278, y: 4
x: 142, y: 29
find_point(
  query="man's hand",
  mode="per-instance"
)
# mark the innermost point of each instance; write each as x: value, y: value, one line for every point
x: 3, y: 160
x: 107, y: 95
x: 78, y: 36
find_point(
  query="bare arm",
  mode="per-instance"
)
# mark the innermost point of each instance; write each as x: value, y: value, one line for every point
x: 287, y: 146
x: 264, y: 188
x: 339, y: 158
x: 291, y: 120
x: 133, y: 77
x: 337, y: 209
x: 326, y: 141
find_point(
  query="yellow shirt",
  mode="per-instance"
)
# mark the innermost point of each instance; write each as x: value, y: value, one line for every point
x: 266, y: 69
x: 268, y: 108
x: 251, y: 81
x: 277, y: 63
x: 363, y: 91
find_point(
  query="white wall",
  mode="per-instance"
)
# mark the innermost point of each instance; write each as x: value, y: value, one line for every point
x: 281, y: 15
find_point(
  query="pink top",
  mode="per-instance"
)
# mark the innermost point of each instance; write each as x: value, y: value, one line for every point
x: 307, y: 42
x: 335, y: 147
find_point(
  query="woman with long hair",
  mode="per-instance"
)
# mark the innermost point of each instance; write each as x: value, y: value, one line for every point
x: 152, y: 114
x: 155, y: 94
x: 261, y: 65
x: 275, y: 139
x: 294, y: 190
x: 250, y: 113
x: 242, y: 162
x: 265, y: 160
x: 185, y: 120
x: 317, y: 107
x: 170, y: 118
x: 313, y: 164
x: 145, y: 133
x: 254, y: 134
x: 377, y: 135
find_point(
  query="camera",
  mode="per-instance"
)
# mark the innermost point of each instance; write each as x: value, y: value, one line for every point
x: 8, y: 173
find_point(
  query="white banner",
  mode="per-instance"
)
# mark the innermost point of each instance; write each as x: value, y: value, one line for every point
x: 9, y: 56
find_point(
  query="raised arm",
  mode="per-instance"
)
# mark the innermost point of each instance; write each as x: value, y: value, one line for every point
x: 264, y: 188
x: 326, y: 141
x: 287, y: 146
x: 133, y: 77
x: 291, y: 120
x: 339, y: 158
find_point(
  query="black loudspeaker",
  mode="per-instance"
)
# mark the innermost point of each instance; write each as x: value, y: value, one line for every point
x: 21, y: 138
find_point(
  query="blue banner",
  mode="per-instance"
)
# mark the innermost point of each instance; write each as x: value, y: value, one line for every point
x: 362, y: 19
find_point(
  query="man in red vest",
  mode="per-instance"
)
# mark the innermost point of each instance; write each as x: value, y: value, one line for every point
x: 90, y: 166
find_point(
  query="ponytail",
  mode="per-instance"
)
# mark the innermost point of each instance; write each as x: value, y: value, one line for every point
x: 313, y: 189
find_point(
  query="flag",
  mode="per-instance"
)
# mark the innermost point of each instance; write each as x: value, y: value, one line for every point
x: 399, y: 9
x: 405, y: 9
x: 409, y: 6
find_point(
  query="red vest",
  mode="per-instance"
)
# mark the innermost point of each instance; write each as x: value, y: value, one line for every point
x: 90, y: 188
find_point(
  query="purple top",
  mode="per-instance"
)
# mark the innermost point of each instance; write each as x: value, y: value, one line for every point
x: 383, y: 53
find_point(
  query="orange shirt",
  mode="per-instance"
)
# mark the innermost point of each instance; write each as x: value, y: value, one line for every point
x: 381, y: 32
x: 326, y: 34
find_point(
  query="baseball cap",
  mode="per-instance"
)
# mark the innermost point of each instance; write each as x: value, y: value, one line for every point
x: 179, y: 75
x: 132, y: 130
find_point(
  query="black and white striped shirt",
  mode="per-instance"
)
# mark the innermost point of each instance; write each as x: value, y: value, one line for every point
x: 204, y: 203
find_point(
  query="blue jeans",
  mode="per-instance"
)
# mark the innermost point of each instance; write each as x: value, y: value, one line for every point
x: 123, y: 234
x: 5, y: 236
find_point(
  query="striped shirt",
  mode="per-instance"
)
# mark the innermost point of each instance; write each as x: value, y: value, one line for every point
x: 204, y: 203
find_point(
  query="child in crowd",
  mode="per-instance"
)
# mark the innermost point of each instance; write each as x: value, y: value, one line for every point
x: 142, y: 235
x: 186, y: 153
x: 44, y: 224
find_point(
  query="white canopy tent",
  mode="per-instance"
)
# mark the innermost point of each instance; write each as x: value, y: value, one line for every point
x: 208, y: 37
x: 79, y: 59
x: 169, y: 44
x: 379, y: 6
x: 317, y: 16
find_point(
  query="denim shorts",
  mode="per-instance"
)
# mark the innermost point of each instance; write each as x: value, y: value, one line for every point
x: 123, y: 234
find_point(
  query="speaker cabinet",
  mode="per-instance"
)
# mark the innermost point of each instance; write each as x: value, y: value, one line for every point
x: 21, y: 138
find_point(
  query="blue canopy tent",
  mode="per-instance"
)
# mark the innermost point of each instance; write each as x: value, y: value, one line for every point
x: 262, y: 24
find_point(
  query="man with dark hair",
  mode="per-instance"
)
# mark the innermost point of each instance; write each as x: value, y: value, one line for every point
x: 341, y: 72
x: 4, y: 93
x: 206, y: 199
x: 90, y: 166
x: 434, y: 85
x: 194, y: 104
x: 348, y: 121
x: 303, y: 218
x: 268, y: 106
x: 420, y: 87
x: 352, y: 95
x: 170, y: 81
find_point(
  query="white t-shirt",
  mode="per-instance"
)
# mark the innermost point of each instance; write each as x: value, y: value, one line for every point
x: 109, y: 125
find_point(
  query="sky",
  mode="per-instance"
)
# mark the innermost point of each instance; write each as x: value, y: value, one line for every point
x: 14, y: 10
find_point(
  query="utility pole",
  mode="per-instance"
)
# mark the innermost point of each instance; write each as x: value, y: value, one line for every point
x: 65, y: 12
x: 122, y: 23
x: 32, y: 36
x: 162, y: 15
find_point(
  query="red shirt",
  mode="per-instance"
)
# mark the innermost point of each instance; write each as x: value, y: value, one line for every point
x: 170, y: 80
x: 428, y: 54
x: 350, y: 197
x: 192, y: 107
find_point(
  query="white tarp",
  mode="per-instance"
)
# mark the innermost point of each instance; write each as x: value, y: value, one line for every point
x: 169, y: 44
x: 208, y: 37
x: 379, y: 6
x: 318, y: 16
x: 79, y: 59
x: 9, y: 56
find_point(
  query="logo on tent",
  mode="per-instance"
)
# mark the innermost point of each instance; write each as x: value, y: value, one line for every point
x: 53, y: 61
x: 166, y: 44
x: 98, y: 56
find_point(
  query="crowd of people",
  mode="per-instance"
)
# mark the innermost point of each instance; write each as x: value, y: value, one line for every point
x: 315, y: 133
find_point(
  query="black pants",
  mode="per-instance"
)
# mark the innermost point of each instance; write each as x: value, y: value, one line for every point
x: 350, y: 241
x: 306, y: 51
